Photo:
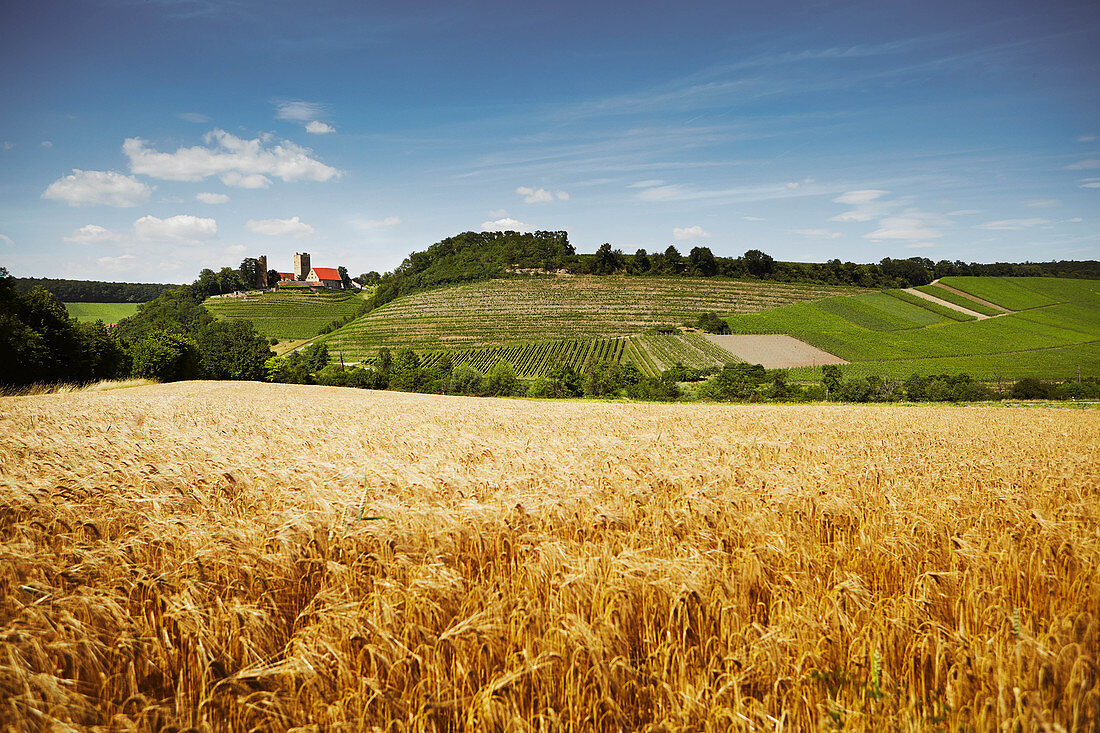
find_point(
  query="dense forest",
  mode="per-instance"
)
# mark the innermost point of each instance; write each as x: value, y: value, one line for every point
x: 472, y: 256
x: 92, y: 291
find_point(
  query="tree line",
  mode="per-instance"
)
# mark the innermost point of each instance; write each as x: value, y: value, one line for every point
x: 92, y: 291
x: 402, y: 371
x: 171, y: 337
x: 473, y: 256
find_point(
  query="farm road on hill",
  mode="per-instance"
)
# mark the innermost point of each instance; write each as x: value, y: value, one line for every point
x: 773, y: 351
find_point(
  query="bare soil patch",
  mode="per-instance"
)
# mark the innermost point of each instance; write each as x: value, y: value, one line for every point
x: 773, y: 351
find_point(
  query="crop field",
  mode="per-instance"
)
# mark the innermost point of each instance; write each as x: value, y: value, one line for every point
x: 287, y: 315
x: 524, y: 310
x: 773, y: 351
x: 1047, y: 341
x: 961, y: 300
x: 534, y: 360
x: 475, y: 564
x: 1015, y: 293
x: 653, y: 353
x: 106, y: 312
x: 944, y: 312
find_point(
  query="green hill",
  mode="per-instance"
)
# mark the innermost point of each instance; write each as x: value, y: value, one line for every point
x: 550, y: 309
x: 287, y: 315
x: 1057, y: 329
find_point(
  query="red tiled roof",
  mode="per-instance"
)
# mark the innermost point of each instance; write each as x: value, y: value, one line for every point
x: 286, y: 275
x: 327, y: 273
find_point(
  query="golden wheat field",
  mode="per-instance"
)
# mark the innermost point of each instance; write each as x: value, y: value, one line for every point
x: 220, y: 556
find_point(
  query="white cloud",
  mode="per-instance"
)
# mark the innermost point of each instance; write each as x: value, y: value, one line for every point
x: 292, y: 227
x: 817, y: 233
x: 1011, y: 224
x: 389, y: 221
x: 963, y: 212
x: 647, y: 184
x: 92, y: 234
x: 498, y: 213
x: 692, y: 232
x: 6, y: 240
x: 183, y: 228
x: 1042, y: 203
x: 1084, y: 165
x: 239, y: 162
x: 47, y: 144
x: 1086, y: 138
x: 235, y: 249
x: 753, y: 218
x: 7, y: 145
x: 1075, y: 220
x: 121, y: 262
x: 507, y: 224
x: 1090, y: 183
x: 195, y: 117
x: 540, y: 195
x: 105, y: 188
x: 316, y: 127
x: 298, y: 111
x: 860, y: 197
x: 212, y: 198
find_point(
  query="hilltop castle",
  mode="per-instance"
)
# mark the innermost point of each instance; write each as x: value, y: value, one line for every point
x: 303, y: 276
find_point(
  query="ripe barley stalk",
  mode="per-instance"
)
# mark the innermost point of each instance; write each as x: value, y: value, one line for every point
x: 168, y: 560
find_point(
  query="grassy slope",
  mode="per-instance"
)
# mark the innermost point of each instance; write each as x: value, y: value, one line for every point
x: 106, y: 312
x: 501, y: 312
x: 1048, y: 340
x: 287, y: 315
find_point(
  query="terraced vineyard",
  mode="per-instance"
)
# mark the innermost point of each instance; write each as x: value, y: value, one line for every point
x: 655, y: 352
x: 532, y: 310
x: 1013, y: 293
x: 535, y: 359
x: 287, y: 315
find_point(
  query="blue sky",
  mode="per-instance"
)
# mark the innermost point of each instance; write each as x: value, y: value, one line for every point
x: 146, y: 140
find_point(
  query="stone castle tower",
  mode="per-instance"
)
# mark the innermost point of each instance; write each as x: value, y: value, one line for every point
x: 261, y: 272
x: 301, y: 265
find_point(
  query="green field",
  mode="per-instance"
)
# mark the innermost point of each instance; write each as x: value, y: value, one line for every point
x: 106, y: 312
x: 1012, y: 293
x: 545, y: 309
x: 960, y: 300
x: 1047, y: 341
x: 287, y: 315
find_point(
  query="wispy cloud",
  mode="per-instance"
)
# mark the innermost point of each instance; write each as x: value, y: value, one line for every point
x: 540, y: 195
x: 911, y: 224
x: 316, y: 127
x: 212, y: 198
x: 817, y: 233
x: 195, y: 117
x: 1084, y: 165
x: 1042, y: 203
x: 389, y: 221
x: 1012, y: 224
x: 298, y: 111
x: 93, y: 234
x: 292, y: 227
